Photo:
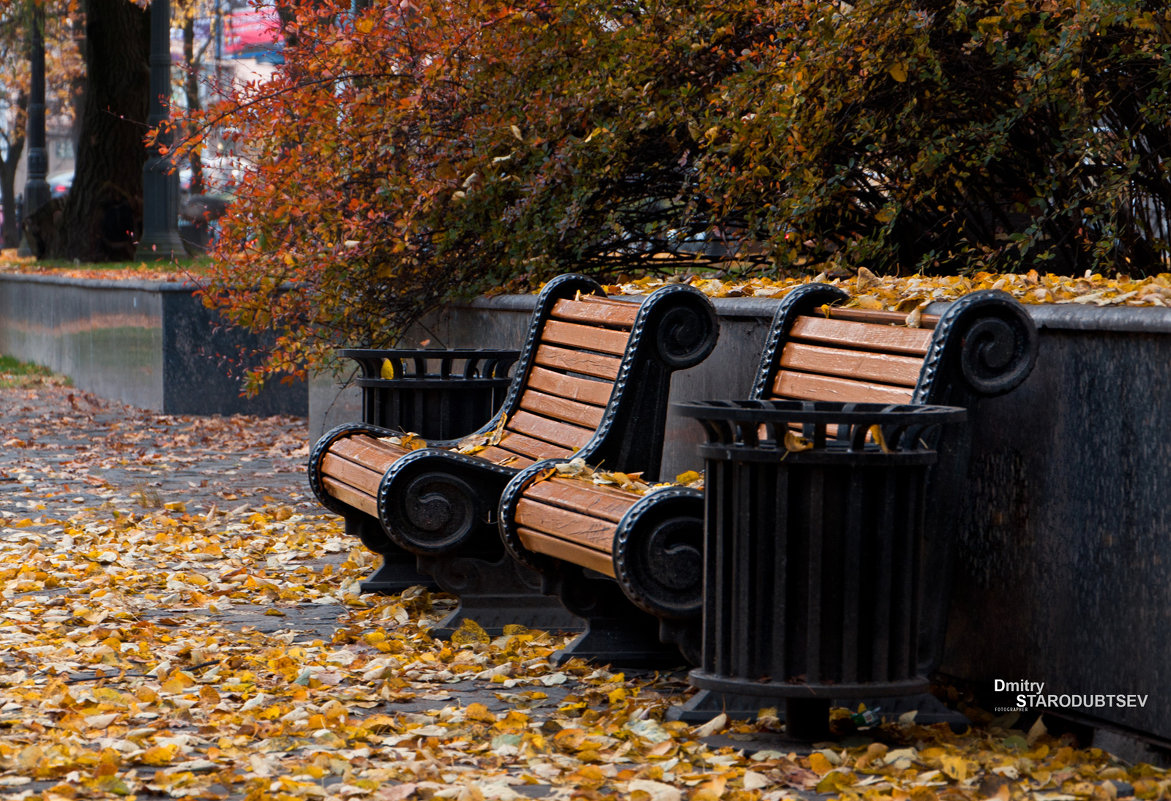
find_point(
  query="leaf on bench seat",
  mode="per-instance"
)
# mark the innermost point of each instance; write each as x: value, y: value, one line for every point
x: 474, y: 443
x: 408, y: 441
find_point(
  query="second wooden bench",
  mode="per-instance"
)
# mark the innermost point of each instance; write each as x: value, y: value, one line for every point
x: 632, y: 565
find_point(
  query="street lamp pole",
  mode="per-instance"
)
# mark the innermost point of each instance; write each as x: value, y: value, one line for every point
x: 160, y: 181
x: 36, y: 188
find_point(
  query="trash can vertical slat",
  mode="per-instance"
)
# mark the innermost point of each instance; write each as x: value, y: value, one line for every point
x: 852, y: 570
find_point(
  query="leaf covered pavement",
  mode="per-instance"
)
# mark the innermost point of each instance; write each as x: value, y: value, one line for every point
x: 181, y: 620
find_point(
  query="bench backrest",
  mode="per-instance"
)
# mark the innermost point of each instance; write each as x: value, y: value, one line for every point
x: 594, y: 375
x: 984, y: 344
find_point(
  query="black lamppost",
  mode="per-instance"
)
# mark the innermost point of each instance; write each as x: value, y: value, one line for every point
x: 160, y: 181
x: 36, y: 188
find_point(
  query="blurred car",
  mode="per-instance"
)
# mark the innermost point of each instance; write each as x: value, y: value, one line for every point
x: 60, y: 183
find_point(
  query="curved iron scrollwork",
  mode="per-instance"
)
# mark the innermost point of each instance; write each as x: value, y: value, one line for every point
x: 989, y: 340
x: 687, y: 331
x: 433, y: 502
x: 658, y: 553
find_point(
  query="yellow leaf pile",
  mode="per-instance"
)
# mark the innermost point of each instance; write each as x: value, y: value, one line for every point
x: 909, y: 293
x: 139, y: 663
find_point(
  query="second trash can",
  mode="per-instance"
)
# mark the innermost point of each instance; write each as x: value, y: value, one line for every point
x: 434, y: 393
x: 814, y: 535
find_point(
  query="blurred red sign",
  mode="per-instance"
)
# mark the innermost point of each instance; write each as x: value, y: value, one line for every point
x: 252, y: 30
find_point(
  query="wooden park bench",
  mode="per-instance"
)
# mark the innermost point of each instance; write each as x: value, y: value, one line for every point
x: 632, y: 564
x: 592, y: 380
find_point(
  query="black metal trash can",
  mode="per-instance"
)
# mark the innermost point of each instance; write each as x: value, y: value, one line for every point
x: 437, y: 394
x: 814, y: 538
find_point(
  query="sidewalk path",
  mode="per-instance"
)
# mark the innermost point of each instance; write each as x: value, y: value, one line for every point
x: 180, y: 618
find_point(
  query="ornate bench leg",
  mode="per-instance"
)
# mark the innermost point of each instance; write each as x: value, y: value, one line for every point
x: 441, y: 506
x: 616, y: 631
x: 398, y: 570
x: 495, y: 593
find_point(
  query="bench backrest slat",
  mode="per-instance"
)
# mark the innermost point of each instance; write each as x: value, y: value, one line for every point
x: 570, y: 387
x: 884, y: 368
x: 578, y: 358
x: 547, y: 430
x: 862, y: 336
x: 588, y: 337
x: 582, y: 414
x: 807, y: 386
x: 595, y: 310
x: 577, y: 361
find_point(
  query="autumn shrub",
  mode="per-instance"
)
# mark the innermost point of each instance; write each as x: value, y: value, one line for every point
x: 421, y: 152
x: 944, y: 137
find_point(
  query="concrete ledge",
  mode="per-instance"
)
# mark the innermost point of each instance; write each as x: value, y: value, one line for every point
x: 146, y: 343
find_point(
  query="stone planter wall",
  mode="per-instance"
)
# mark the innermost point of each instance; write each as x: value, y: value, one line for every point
x: 149, y: 344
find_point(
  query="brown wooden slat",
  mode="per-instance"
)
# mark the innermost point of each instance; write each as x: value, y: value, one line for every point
x: 604, y: 502
x: 618, y: 314
x: 862, y: 336
x: 539, y: 542
x: 803, y: 386
x: 554, y: 431
x: 586, y: 390
x: 581, y: 414
x: 576, y: 361
x: 347, y: 472
x: 503, y: 457
x: 350, y: 496
x: 589, y: 337
x: 534, y: 448
x: 587, y: 531
x: 368, y: 451
x: 881, y: 317
x: 886, y: 368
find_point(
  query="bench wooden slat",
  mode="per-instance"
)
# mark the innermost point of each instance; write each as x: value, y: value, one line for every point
x: 503, y: 456
x: 356, y: 475
x: 571, y: 387
x: 350, y: 496
x: 804, y: 386
x: 369, y: 451
x: 566, y: 524
x: 576, y: 361
x: 608, y: 503
x: 589, y: 337
x: 554, y: 431
x: 533, y: 448
x: 540, y: 542
x: 581, y: 414
x: 862, y: 336
x: 597, y: 311
x: 881, y: 316
x: 886, y: 368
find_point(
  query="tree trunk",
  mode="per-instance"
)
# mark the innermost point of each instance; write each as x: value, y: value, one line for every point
x: 102, y: 217
x: 191, y: 89
x: 9, y: 234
